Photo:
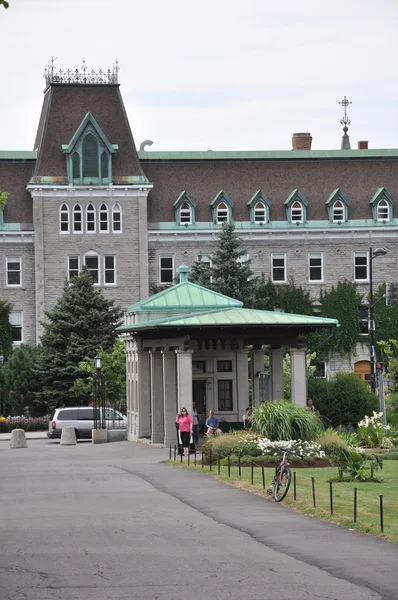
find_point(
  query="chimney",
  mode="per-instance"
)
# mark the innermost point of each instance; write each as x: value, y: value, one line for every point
x: 363, y: 145
x: 301, y: 141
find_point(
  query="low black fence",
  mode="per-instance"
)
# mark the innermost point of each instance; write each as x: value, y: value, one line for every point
x: 213, y: 461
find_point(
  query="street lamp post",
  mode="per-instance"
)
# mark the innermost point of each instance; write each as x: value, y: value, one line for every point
x: 373, y: 254
x: 1, y: 386
x: 99, y: 394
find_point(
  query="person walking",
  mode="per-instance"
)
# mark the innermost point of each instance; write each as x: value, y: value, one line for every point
x: 185, y: 426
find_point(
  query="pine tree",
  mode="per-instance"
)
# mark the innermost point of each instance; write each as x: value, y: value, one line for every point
x: 81, y: 321
x: 21, y: 382
x: 230, y: 275
x: 5, y: 329
x: 200, y: 272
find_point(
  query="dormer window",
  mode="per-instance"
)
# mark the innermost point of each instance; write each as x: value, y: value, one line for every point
x: 260, y: 213
x: 297, y: 212
x: 221, y: 208
x: 89, y: 154
x: 338, y: 212
x: 259, y: 207
x: 382, y: 205
x: 296, y: 207
x: 383, y: 211
x: 184, y: 209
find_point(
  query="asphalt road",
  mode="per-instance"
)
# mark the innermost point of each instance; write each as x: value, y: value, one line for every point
x: 111, y: 522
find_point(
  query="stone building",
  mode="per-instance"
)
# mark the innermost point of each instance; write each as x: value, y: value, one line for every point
x: 85, y: 195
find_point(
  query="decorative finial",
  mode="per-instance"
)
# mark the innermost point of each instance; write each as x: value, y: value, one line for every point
x: 82, y: 76
x: 345, y: 121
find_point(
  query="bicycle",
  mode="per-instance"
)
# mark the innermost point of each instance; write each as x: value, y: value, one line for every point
x: 283, y: 476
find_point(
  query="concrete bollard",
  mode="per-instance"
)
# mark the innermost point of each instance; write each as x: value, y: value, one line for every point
x: 68, y: 436
x: 18, y: 439
x: 99, y: 436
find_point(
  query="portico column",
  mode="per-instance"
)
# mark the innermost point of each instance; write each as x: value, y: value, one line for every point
x: 257, y: 367
x: 184, y: 379
x: 242, y: 382
x: 170, y: 396
x: 143, y: 393
x: 298, y: 376
x: 157, y: 413
x: 276, y: 371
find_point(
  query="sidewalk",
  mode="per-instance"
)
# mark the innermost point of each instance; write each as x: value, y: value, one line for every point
x: 30, y: 435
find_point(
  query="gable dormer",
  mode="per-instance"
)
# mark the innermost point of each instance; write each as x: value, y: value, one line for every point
x: 184, y: 209
x: 296, y: 207
x: 89, y: 154
x: 259, y: 207
x: 221, y: 208
x: 382, y: 205
x: 338, y: 205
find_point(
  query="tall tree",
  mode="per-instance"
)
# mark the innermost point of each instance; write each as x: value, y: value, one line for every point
x: 5, y: 329
x: 81, y: 321
x: 200, y: 272
x: 21, y: 382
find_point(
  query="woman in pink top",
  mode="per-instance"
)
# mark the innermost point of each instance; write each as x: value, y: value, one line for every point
x: 184, y: 421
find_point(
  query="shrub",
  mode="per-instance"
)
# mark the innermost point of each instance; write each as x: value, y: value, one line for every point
x: 302, y: 449
x: 343, y: 400
x: 283, y: 420
x: 237, y: 443
x: 331, y: 442
x: 372, y: 431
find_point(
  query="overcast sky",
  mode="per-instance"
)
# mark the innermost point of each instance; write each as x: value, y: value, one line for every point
x: 213, y: 74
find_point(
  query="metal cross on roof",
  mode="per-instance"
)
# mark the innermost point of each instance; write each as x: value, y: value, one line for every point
x: 345, y: 120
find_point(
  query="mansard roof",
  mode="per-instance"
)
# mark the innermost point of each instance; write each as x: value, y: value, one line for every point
x: 15, y: 173
x: 64, y: 108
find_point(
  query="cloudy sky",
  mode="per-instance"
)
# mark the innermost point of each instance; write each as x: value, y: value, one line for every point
x: 214, y: 74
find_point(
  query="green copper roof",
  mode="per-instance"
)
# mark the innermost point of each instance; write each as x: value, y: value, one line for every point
x: 184, y: 296
x: 17, y: 155
x: 270, y: 155
x: 230, y: 317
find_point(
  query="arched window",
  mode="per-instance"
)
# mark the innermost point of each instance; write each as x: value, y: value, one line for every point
x: 90, y: 219
x: 90, y: 158
x: 64, y: 219
x: 91, y: 260
x: 104, y: 223
x: 77, y: 219
x: 383, y: 210
x: 185, y: 214
x: 116, y: 218
x: 76, y: 166
x: 260, y: 213
x: 297, y: 212
x: 222, y: 213
x: 338, y: 212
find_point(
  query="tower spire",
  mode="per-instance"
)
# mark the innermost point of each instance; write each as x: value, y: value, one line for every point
x: 345, y: 121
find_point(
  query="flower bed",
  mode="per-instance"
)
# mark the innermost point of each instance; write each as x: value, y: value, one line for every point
x: 26, y: 423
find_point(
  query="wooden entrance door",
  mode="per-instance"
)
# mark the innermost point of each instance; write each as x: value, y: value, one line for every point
x: 362, y: 368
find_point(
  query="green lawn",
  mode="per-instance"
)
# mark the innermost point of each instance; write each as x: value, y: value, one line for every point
x: 368, y: 507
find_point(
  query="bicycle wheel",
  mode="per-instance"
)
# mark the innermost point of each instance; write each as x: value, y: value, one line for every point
x: 282, y: 484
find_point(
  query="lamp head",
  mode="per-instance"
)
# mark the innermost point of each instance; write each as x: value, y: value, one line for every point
x: 98, y: 362
x: 379, y: 252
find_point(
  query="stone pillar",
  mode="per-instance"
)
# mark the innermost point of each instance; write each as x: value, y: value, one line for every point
x: 39, y: 262
x: 242, y: 383
x: 276, y: 371
x: 170, y: 396
x: 144, y: 397
x: 257, y: 367
x: 184, y: 379
x: 143, y: 244
x: 157, y: 413
x: 298, y: 376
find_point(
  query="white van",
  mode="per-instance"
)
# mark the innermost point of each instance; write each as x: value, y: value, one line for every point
x: 82, y: 419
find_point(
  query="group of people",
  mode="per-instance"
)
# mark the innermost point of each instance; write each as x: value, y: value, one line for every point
x: 188, y: 427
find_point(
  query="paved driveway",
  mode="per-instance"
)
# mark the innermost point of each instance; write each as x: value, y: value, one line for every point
x: 111, y: 522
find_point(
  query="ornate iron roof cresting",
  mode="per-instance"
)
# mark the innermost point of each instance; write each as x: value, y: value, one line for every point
x: 82, y: 76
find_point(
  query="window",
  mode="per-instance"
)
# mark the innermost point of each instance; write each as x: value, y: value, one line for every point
x: 16, y: 317
x: 90, y: 159
x: 225, y: 394
x: 73, y: 266
x: 85, y: 414
x: 14, y: 278
x: 92, y: 264
x: 185, y: 214
x: 260, y: 213
x: 278, y: 267
x: 109, y: 270
x: 69, y: 414
x: 224, y: 366
x: 166, y: 269
x: 364, y: 320
x: 361, y: 266
x: 64, y: 219
x: 104, y: 167
x: 297, y: 212
x: 383, y: 211
x: 338, y: 212
x: 315, y: 266
x: 90, y: 219
x: 198, y: 366
x: 116, y: 219
x: 77, y: 219
x: 320, y: 370
x: 104, y: 218
x: 222, y: 213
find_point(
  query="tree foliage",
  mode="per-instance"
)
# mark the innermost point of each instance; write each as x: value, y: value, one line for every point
x: 114, y: 370
x: 21, y: 382
x: 5, y: 329
x: 4, y: 3
x: 200, y: 272
x: 81, y: 321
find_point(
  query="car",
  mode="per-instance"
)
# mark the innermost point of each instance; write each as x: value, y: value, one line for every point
x: 82, y: 419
